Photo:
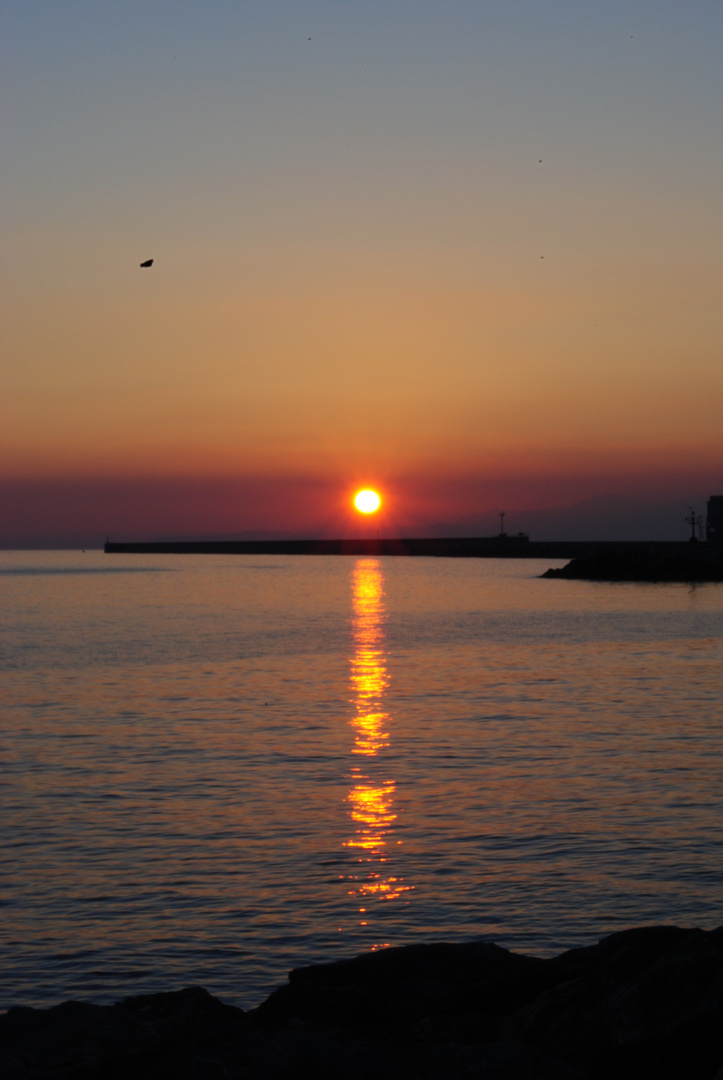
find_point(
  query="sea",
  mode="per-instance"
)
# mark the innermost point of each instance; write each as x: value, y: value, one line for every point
x: 215, y: 769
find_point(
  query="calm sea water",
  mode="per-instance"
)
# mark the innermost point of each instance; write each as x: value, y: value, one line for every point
x: 218, y: 768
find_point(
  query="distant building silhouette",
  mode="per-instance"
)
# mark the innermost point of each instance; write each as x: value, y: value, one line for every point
x: 714, y: 520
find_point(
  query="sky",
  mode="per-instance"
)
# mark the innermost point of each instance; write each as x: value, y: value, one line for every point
x: 469, y: 253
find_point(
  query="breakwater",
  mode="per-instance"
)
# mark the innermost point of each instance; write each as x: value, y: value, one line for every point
x: 491, y: 547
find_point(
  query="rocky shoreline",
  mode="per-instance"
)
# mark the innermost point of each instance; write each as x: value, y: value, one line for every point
x: 697, y: 565
x: 642, y: 1003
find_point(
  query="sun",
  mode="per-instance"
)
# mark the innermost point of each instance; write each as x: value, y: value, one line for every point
x: 367, y: 501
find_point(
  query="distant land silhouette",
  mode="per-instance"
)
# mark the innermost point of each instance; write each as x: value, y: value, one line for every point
x: 600, y: 518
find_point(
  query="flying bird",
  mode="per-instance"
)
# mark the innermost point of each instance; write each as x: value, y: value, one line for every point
x: 148, y: 262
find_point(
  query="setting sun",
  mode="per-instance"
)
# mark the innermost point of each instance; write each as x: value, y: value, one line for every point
x: 367, y: 501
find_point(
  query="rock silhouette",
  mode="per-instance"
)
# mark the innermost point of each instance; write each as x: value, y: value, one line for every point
x: 694, y: 564
x: 641, y: 1003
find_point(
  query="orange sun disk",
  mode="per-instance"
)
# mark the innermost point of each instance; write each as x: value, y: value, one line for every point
x: 367, y: 501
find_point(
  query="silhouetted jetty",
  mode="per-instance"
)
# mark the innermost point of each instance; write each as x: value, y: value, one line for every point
x: 641, y: 1003
x: 465, y: 547
x: 455, y: 547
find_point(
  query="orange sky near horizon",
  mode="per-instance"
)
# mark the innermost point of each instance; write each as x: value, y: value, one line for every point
x: 427, y: 381
x: 422, y: 244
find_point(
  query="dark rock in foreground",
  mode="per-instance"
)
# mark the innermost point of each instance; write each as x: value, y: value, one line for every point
x: 644, y: 1003
x: 692, y: 565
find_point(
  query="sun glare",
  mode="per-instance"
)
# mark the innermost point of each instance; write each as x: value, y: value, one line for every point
x: 367, y: 501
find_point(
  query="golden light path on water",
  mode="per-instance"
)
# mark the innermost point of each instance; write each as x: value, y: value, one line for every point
x: 371, y: 798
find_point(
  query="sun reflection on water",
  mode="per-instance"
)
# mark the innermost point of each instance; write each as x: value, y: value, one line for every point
x: 371, y: 798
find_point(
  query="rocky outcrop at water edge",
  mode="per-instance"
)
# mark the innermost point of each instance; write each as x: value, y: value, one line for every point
x: 695, y: 565
x: 643, y: 1003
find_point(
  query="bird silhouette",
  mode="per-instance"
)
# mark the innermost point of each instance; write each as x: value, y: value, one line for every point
x: 148, y: 262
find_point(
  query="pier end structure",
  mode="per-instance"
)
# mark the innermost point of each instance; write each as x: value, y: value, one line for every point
x: 714, y: 520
